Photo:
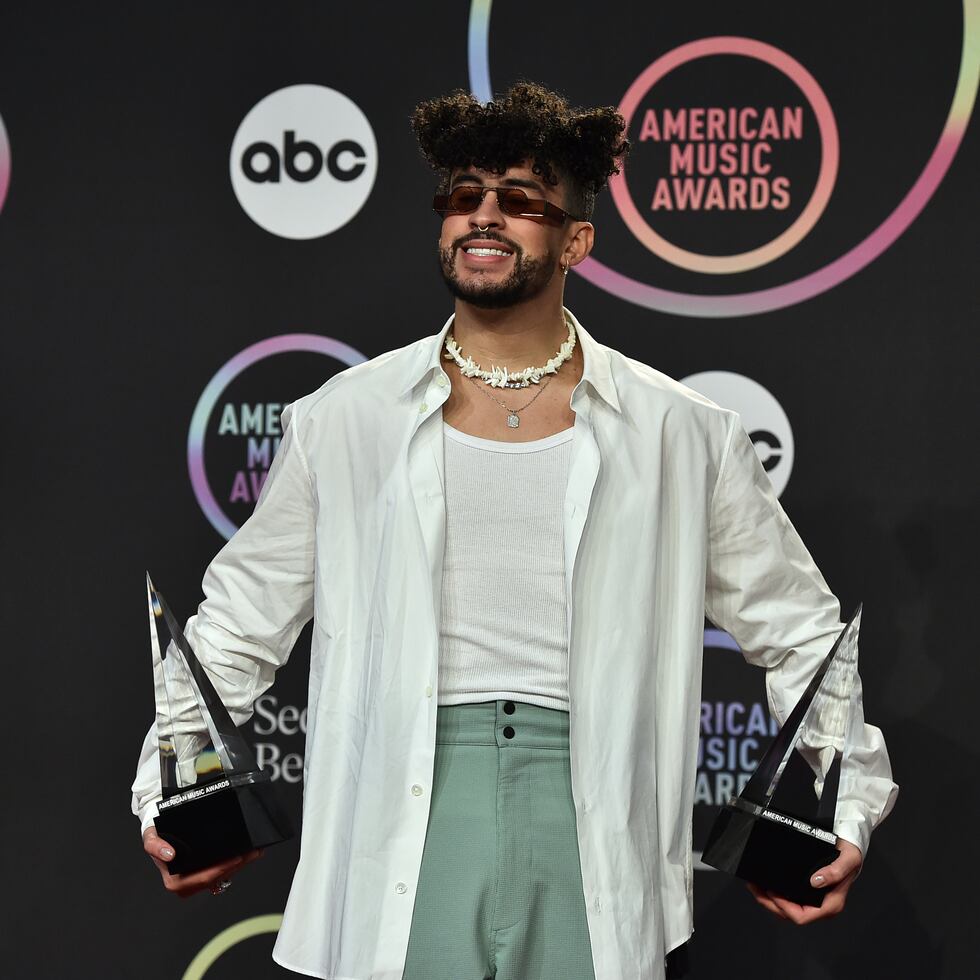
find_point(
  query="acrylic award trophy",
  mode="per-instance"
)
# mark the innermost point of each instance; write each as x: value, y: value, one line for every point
x: 216, y: 802
x: 779, y: 829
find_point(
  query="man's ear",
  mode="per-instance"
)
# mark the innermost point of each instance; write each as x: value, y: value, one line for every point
x: 580, y: 244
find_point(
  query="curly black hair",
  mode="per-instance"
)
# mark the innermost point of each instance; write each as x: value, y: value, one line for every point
x: 529, y: 122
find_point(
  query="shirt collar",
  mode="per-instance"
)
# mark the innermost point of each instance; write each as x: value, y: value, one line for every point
x: 596, y: 372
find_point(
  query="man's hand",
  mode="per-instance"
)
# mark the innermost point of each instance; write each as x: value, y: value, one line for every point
x: 837, y: 878
x: 186, y: 885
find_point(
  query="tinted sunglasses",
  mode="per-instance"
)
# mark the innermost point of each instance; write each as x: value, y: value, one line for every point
x: 466, y: 198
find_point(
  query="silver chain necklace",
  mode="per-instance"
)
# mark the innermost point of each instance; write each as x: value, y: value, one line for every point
x: 513, y: 419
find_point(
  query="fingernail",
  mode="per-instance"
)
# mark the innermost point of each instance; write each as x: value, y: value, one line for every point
x: 817, y: 881
x: 167, y: 853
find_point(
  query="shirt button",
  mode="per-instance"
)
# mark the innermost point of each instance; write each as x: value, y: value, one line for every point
x: 508, y: 732
x: 401, y: 888
x: 428, y: 690
x: 509, y: 707
x: 441, y: 381
x: 423, y: 408
x: 416, y: 790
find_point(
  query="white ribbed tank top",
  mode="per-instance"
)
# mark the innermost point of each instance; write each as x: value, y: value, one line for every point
x: 503, y: 633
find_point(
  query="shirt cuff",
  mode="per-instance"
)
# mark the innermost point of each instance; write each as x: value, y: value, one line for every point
x: 146, y: 816
x: 854, y: 826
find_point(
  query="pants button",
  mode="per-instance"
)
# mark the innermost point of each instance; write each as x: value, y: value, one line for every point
x: 508, y: 732
x: 509, y: 707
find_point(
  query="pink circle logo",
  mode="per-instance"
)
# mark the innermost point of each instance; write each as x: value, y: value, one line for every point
x: 250, y: 427
x: 4, y: 163
x: 810, y: 284
x: 715, y: 140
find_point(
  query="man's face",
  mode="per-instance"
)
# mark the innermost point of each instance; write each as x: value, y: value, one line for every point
x: 532, y: 248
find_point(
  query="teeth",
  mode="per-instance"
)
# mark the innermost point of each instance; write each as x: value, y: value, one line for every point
x: 485, y: 251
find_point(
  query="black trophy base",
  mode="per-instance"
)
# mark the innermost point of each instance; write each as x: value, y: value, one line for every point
x: 221, y: 820
x: 778, y: 854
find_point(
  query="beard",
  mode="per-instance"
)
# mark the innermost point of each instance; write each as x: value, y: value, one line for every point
x: 527, y: 278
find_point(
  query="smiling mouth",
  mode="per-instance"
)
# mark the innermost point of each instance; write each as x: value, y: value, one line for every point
x: 483, y: 250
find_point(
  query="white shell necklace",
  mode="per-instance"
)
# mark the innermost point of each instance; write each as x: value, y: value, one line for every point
x: 500, y: 377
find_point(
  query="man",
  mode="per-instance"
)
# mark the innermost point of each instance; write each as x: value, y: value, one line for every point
x: 508, y: 536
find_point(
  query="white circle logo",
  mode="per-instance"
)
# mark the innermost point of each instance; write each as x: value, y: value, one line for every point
x: 762, y: 417
x: 303, y: 161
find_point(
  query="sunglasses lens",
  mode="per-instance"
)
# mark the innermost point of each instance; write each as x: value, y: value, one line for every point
x: 517, y: 204
x: 466, y: 199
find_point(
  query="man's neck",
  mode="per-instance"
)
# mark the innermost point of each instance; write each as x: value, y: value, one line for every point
x: 525, y: 335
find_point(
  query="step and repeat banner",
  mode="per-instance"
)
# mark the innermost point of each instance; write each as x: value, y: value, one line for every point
x: 206, y: 210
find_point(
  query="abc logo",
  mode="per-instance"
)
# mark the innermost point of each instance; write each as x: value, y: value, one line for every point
x: 303, y: 161
x: 762, y: 417
x: 292, y: 155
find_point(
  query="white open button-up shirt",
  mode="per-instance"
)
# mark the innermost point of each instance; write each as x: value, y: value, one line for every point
x: 669, y: 516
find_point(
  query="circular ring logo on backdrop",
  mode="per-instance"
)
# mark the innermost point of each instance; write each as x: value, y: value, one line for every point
x: 807, y: 286
x: 243, y: 435
x: 762, y: 418
x: 258, y: 925
x: 722, y: 158
x: 4, y: 163
x: 303, y: 161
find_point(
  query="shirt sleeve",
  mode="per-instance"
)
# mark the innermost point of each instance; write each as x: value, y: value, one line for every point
x: 765, y: 590
x: 258, y: 596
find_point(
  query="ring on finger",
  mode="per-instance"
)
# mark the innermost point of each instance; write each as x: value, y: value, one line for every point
x: 220, y: 886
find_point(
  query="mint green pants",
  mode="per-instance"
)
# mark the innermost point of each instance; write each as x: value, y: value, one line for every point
x: 500, y: 891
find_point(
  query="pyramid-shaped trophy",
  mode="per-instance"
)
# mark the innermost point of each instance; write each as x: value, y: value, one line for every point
x: 779, y: 829
x: 216, y: 802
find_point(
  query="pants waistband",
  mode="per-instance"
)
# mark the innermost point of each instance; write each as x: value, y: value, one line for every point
x: 502, y: 723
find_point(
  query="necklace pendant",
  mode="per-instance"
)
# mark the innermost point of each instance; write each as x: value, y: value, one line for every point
x: 513, y: 421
